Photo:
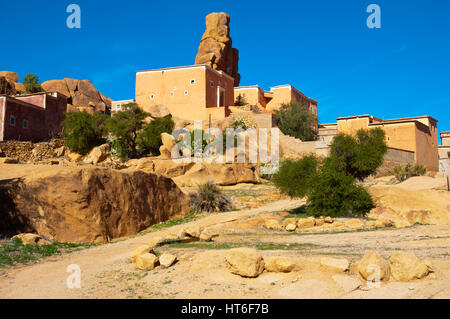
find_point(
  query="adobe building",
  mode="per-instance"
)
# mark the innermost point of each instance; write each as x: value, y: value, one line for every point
x: 117, y: 106
x: 273, y: 99
x: 413, y: 134
x: 190, y: 92
x: 444, y: 152
x: 33, y: 117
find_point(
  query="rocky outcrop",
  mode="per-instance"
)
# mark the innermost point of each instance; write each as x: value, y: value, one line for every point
x: 7, y: 87
x: 81, y: 94
x: 85, y: 205
x: 215, y: 48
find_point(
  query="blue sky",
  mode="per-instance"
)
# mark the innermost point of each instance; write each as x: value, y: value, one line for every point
x: 321, y: 47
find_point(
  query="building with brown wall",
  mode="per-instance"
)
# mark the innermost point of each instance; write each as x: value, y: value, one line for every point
x: 416, y: 134
x: 33, y: 117
x: 190, y: 92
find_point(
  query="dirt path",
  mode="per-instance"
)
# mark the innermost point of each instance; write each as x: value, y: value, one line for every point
x: 48, y: 278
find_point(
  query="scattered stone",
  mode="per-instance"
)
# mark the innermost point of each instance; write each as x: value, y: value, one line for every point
x: 347, y: 283
x: 75, y: 157
x: 182, y: 234
x: 31, y: 239
x: 168, y: 141
x: 334, y: 264
x: 291, y: 227
x: 328, y: 220
x: 140, y: 251
x: 319, y: 222
x: 205, y: 236
x: 369, y: 265
x: 383, y: 222
x: 354, y: 223
x: 305, y: 223
x: 288, y: 221
x: 401, y: 224
x: 167, y: 260
x: 245, y: 262
x: 406, y: 266
x: 60, y: 151
x: 193, y: 231
x: 279, y: 264
x: 146, y: 261
x: 97, y: 154
x: 273, y: 224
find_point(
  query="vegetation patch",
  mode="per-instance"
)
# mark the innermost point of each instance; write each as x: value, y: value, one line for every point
x: 14, y: 252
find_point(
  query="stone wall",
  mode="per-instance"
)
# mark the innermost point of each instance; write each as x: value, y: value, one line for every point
x: 30, y: 152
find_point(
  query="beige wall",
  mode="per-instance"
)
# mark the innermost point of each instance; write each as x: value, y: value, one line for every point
x: 186, y: 92
x: 445, y: 138
x: 280, y: 95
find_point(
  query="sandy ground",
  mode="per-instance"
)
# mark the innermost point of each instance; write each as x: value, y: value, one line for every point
x: 107, y: 272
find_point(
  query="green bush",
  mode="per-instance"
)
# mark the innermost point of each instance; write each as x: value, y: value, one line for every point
x: 330, y: 186
x: 335, y: 194
x: 403, y: 172
x: 240, y: 100
x: 84, y: 131
x: 294, y: 119
x: 295, y: 178
x: 209, y: 198
x: 149, y: 140
x: 125, y: 126
x: 358, y: 155
x: 31, y: 83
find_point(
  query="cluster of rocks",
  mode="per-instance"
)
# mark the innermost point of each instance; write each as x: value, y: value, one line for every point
x: 81, y: 95
x: 324, y: 223
x: 8, y: 83
x: 29, y: 152
x: 145, y: 258
x: 31, y: 239
x: 401, y: 266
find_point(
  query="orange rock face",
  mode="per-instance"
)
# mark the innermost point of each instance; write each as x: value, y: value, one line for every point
x: 215, y: 48
x: 82, y: 95
x: 85, y: 205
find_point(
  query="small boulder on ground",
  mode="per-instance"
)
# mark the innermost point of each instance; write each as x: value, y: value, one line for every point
x: 373, y: 267
x: 288, y: 221
x: 32, y: 239
x: 167, y: 260
x: 193, y: 231
x: 279, y: 264
x: 305, y: 223
x: 334, y: 264
x: 272, y: 224
x: 354, y: 223
x: 146, y: 261
x: 97, y: 154
x: 383, y: 222
x: 8, y: 160
x: 328, y: 220
x: 245, y: 262
x: 406, y: 266
x: 141, y: 250
x: 291, y: 227
x: 205, y: 236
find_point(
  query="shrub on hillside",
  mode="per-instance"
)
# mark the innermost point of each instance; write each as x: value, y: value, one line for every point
x: 294, y: 119
x: 149, y: 140
x: 209, y: 198
x: 403, y: 172
x: 125, y: 127
x: 330, y: 186
x: 358, y: 155
x: 84, y: 131
x: 295, y: 177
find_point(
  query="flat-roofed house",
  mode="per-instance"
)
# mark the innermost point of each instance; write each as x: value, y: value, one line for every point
x: 190, y: 92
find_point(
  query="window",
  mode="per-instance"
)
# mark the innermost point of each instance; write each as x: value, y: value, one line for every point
x: 117, y: 106
x: 192, y: 81
x: 171, y: 93
x: 12, y: 120
x: 212, y: 84
x: 152, y: 96
x: 186, y: 92
x: 25, y: 124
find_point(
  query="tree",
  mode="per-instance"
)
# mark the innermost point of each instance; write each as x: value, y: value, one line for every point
x: 330, y: 185
x: 31, y: 83
x: 125, y: 126
x: 240, y: 100
x: 294, y: 119
x: 358, y: 155
x: 149, y: 140
x: 84, y: 131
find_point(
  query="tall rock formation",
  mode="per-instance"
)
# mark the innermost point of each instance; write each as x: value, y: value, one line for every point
x: 215, y: 48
